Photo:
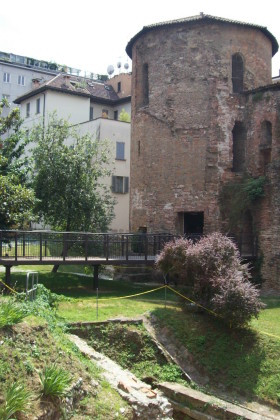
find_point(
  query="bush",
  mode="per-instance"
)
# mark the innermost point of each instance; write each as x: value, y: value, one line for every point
x: 236, y: 300
x: 173, y: 258
x: 11, y: 313
x: 220, y: 281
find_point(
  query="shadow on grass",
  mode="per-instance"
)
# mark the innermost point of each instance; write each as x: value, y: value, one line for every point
x: 81, y: 287
x: 271, y: 303
x: 226, y: 356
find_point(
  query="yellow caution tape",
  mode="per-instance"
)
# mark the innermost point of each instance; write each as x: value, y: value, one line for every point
x: 137, y: 294
x: 12, y: 290
x: 180, y: 294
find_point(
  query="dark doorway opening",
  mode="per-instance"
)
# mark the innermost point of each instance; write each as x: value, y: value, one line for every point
x: 193, y: 223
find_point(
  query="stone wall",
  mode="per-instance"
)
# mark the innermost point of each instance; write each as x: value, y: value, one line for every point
x: 182, y: 150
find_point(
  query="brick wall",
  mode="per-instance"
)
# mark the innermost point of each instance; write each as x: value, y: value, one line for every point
x: 182, y: 142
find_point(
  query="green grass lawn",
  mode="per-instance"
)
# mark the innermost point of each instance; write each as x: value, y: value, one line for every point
x: 245, y: 361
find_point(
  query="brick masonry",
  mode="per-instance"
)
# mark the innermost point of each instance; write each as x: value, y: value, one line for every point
x: 182, y: 140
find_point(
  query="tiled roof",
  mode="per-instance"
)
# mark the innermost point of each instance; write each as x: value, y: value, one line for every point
x: 77, y: 86
x: 201, y: 17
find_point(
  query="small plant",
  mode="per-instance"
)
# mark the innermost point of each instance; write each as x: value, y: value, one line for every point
x: 55, y: 381
x: 11, y: 313
x: 17, y: 400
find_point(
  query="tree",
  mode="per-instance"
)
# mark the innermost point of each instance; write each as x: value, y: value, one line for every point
x: 69, y: 171
x: 124, y: 116
x: 17, y: 198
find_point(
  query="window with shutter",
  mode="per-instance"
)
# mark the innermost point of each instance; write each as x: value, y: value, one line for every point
x: 120, y: 148
x: 120, y: 184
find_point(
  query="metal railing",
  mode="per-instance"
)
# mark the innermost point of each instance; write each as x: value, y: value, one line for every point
x: 30, y: 247
x: 26, y: 247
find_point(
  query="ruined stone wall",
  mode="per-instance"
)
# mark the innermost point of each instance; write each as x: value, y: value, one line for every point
x: 264, y: 105
x: 182, y: 138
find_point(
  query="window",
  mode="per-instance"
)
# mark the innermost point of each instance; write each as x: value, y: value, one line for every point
x: 119, y: 87
x: 145, y: 77
x: 6, y: 77
x: 6, y: 97
x: 237, y: 73
x: 238, y: 147
x: 265, y: 144
x: 28, y: 110
x: 38, y: 106
x: 21, y: 80
x: 120, y: 150
x: 266, y: 133
x: 116, y: 115
x: 91, y: 113
x: 120, y: 184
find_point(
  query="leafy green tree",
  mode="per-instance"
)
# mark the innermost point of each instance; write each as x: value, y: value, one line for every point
x: 69, y: 171
x: 124, y: 116
x: 17, y: 198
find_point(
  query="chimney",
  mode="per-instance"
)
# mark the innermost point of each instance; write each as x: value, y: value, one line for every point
x: 66, y: 78
x: 35, y: 83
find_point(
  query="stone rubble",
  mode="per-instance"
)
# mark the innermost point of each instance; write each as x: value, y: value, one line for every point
x: 147, y: 403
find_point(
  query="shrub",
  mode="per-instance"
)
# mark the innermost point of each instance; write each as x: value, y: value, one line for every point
x: 220, y: 281
x: 55, y: 381
x: 173, y: 257
x: 210, y: 260
x: 236, y: 300
x: 17, y: 399
x: 11, y: 313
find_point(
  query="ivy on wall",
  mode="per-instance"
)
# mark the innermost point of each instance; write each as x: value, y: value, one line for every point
x: 237, y: 197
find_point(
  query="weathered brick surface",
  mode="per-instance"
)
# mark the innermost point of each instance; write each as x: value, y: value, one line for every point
x: 182, y: 146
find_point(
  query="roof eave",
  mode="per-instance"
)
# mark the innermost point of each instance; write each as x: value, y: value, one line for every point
x: 196, y: 19
x: 97, y: 99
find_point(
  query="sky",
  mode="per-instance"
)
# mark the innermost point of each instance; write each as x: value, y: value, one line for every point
x: 91, y: 35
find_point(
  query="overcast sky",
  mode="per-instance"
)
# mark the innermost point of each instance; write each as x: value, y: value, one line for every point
x: 90, y: 35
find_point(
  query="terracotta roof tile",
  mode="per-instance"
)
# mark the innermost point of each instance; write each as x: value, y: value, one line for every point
x: 75, y: 85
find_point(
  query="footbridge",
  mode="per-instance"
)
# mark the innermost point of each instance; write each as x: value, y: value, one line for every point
x: 94, y: 249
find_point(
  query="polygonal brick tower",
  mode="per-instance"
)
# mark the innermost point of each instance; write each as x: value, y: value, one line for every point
x: 193, y: 83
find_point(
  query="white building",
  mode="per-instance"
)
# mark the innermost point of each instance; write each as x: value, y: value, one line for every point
x: 95, y: 107
x: 17, y: 73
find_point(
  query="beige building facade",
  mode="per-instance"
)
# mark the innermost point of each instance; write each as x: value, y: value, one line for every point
x: 91, y: 107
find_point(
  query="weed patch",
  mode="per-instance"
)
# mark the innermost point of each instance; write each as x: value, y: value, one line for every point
x: 132, y: 348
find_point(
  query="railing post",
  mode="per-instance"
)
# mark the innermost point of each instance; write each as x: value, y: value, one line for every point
x: 64, y: 245
x: 41, y: 246
x: 86, y: 248
x: 23, y: 244
x: 1, y: 239
x: 146, y: 247
x: 104, y: 245
x: 122, y: 245
x: 107, y: 247
x: 126, y: 251
x: 16, y: 246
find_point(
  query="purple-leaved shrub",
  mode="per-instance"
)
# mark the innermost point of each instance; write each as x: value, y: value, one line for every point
x: 172, y: 259
x: 220, y: 281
